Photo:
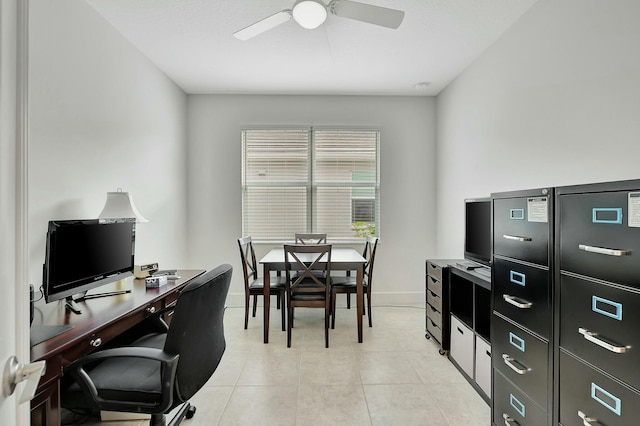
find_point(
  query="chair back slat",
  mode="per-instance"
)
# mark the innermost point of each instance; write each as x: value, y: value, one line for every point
x: 306, y: 260
x: 248, y: 256
x: 311, y: 238
x: 369, y: 254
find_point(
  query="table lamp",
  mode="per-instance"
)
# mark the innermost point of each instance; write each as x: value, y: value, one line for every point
x: 119, y: 205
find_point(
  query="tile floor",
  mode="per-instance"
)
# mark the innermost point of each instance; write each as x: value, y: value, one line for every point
x: 396, y: 377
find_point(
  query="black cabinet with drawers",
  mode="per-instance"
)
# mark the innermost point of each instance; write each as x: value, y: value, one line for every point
x: 597, y: 290
x: 522, y: 316
x: 437, y: 302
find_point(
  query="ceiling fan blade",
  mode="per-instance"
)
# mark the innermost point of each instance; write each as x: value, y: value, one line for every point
x: 390, y: 18
x: 263, y: 25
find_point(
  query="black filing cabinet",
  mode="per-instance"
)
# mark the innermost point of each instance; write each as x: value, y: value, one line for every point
x: 437, y: 302
x: 598, y: 304
x: 522, y: 315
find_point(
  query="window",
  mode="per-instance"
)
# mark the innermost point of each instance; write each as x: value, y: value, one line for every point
x: 310, y: 180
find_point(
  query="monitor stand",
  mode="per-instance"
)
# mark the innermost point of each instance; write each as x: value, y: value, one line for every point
x: 71, y: 305
x: 469, y: 266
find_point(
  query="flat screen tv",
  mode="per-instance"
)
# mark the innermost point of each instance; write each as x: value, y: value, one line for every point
x: 84, y: 254
x: 477, y: 230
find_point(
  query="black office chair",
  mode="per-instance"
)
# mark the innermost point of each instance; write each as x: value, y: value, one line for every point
x: 159, y: 371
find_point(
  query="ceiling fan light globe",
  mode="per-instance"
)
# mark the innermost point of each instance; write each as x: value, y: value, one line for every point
x: 309, y: 14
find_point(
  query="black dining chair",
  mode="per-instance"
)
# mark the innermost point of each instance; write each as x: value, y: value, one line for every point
x: 310, y: 238
x: 253, y: 285
x: 347, y: 284
x: 162, y: 370
x: 308, y: 281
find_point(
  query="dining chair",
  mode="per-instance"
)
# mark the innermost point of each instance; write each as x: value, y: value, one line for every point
x: 312, y: 238
x: 347, y: 284
x: 254, y: 286
x: 305, y: 287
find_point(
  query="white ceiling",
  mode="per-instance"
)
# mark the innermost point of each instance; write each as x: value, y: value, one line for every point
x: 192, y: 42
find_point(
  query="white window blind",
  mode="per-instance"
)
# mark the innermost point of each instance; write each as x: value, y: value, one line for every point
x: 310, y: 180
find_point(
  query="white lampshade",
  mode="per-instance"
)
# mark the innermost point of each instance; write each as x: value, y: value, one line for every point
x: 120, y: 205
x: 309, y: 14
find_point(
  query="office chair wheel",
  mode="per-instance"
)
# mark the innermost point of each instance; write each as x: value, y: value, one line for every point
x: 427, y: 336
x: 191, y: 412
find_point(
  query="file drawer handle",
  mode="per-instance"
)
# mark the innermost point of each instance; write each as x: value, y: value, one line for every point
x: 604, y: 250
x: 518, y: 303
x: 516, y: 237
x: 587, y: 421
x: 508, y: 420
x: 511, y: 363
x: 603, y: 341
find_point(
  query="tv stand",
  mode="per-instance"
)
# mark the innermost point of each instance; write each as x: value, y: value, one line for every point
x: 470, y: 319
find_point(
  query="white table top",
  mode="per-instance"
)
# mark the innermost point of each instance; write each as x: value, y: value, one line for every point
x: 339, y: 255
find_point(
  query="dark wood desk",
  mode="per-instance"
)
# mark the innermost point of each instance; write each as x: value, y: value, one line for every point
x: 342, y: 259
x: 101, y: 320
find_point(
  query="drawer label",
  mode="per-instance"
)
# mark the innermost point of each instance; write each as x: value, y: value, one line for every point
x: 634, y: 209
x: 516, y: 214
x: 537, y: 210
x: 608, y: 215
x: 607, y: 399
x: 515, y: 403
x: 606, y: 307
x: 516, y: 341
x: 517, y: 278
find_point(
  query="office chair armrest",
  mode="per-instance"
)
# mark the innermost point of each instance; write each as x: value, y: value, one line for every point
x: 169, y: 364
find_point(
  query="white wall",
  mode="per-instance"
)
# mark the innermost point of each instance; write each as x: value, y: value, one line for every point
x: 102, y: 117
x: 407, y: 178
x: 555, y: 101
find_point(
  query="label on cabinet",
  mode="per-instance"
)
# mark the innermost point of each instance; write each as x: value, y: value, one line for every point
x: 537, y: 209
x: 634, y: 209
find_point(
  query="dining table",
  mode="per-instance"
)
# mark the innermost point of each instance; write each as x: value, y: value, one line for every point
x: 342, y: 259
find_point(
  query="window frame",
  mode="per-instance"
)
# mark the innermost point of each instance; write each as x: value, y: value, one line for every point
x: 312, y: 184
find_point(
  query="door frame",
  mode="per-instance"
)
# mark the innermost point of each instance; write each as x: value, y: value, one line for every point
x: 14, y: 17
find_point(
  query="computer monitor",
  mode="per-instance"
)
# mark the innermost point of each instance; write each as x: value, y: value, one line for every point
x: 477, y: 231
x: 85, y: 254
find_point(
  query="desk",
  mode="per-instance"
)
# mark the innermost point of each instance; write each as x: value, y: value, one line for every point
x: 101, y: 320
x: 342, y: 259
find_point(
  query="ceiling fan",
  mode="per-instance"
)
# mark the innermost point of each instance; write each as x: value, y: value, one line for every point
x: 311, y: 14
